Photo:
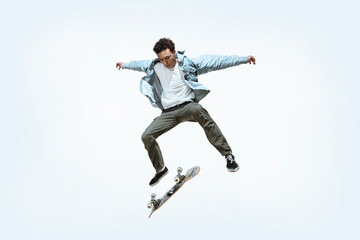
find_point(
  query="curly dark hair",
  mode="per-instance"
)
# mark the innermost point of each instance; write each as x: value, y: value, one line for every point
x: 163, y: 44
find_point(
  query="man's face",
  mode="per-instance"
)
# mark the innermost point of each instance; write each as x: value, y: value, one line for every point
x: 167, y: 58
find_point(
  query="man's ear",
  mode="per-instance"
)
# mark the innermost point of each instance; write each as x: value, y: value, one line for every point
x: 174, y: 51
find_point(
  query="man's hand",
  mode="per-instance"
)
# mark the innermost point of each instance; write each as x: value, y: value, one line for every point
x: 251, y: 59
x: 119, y: 65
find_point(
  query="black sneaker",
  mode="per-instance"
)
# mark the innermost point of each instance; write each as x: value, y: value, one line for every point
x: 158, y: 176
x: 231, y: 165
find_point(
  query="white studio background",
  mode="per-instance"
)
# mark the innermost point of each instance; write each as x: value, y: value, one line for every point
x: 72, y: 164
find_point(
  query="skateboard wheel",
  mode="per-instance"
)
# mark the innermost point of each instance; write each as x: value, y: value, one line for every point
x: 149, y: 205
x: 179, y: 169
x: 153, y: 195
x: 177, y: 179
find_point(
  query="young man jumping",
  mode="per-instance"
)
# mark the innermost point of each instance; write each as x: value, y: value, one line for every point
x: 171, y: 84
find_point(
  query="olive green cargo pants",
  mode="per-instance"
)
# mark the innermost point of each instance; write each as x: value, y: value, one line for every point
x: 169, y: 118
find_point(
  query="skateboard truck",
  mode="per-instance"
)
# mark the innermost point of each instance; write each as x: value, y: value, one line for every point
x: 179, y: 177
x: 153, y: 202
x: 178, y: 180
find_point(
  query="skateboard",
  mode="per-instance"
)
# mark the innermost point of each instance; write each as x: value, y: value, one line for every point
x: 180, y: 180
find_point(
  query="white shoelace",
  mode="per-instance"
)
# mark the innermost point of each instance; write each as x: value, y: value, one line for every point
x: 230, y: 158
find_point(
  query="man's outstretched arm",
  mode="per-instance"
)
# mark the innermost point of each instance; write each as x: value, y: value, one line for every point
x: 140, y: 66
x: 209, y: 63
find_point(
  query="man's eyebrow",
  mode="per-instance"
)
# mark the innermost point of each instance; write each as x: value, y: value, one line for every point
x: 164, y: 57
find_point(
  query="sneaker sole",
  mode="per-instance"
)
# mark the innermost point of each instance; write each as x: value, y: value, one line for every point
x: 233, y: 170
x: 155, y: 183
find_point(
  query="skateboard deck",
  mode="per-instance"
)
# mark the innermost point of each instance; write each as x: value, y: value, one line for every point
x: 180, y: 180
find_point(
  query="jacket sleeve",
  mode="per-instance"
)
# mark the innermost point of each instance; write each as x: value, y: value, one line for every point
x: 208, y: 63
x: 140, y: 66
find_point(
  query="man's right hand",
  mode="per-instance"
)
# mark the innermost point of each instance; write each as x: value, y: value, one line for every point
x: 119, y: 65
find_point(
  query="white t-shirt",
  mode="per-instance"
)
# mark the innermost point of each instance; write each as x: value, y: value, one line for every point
x: 175, y: 90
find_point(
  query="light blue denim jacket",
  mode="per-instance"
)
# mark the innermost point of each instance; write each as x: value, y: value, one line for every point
x: 150, y: 84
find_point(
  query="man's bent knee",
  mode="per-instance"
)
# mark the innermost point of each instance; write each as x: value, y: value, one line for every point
x: 147, y: 138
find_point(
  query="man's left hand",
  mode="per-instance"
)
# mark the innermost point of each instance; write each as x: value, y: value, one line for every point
x: 251, y: 59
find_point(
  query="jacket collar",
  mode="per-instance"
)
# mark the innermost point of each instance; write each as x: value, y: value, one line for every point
x: 179, y: 54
